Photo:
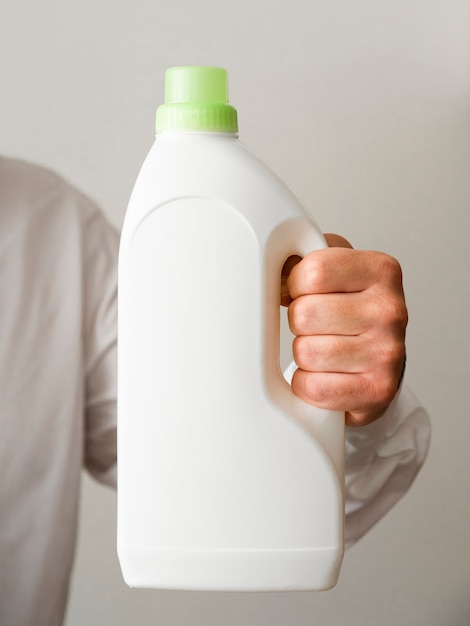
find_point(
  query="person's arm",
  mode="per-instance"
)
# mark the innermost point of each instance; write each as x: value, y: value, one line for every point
x: 100, y: 244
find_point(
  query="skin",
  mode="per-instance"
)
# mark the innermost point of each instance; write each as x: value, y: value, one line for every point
x: 347, y: 310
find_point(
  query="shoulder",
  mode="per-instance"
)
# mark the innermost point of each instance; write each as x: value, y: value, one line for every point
x: 31, y: 194
x: 20, y: 179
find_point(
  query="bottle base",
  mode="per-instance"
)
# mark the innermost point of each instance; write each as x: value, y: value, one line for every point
x: 231, y: 570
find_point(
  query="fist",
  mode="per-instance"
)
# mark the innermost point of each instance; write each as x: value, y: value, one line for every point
x: 348, y: 314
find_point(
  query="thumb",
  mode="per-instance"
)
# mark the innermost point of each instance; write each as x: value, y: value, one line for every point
x: 336, y: 241
x: 286, y: 270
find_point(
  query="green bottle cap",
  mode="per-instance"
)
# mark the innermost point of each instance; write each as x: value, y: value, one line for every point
x: 196, y: 99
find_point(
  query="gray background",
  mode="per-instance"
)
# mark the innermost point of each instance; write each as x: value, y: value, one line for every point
x: 362, y: 107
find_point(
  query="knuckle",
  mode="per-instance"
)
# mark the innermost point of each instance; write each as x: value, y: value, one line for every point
x: 314, y: 271
x: 319, y: 395
x: 392, y: 312
x: 306, y: 387
x: 389, y: 268
x: 392, y: 355
x: 298, y: 316
x: 382, y: 389
x: 293, y: 316
x: 301, y: 352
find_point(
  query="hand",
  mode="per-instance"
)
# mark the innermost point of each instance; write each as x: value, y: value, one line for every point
x: 348, y: 312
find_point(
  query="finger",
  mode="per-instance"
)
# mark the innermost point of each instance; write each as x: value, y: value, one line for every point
x: 333, y: 241
x: 360, y: 396
x: 326, y: 353
x: 333, y: 314
x: 329, y: 390
x: 342, y: 270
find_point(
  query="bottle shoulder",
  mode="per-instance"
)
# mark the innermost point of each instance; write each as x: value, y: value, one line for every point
x: 217, y: 164
x: 212, y: 165
x: 197, y: 149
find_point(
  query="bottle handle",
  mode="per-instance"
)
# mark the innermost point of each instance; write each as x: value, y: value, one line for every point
x: 296, y: 237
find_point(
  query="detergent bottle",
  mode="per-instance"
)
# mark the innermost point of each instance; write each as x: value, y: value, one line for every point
x: 226, y: 479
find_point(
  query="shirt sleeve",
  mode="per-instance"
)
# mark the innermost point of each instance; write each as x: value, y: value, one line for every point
x: 382, y: 460
x: 101, y: 244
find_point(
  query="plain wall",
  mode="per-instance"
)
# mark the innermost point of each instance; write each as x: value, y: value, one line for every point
x: 363, y: 108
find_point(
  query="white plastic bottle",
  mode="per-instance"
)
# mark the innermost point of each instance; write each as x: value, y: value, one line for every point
x: 226, y: 480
